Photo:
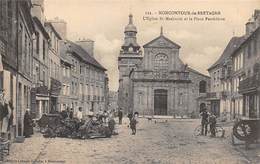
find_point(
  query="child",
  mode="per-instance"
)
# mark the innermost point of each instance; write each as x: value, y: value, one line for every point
x: 133, y: 125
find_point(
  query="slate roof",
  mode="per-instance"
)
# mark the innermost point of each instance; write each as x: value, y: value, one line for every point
x: 53, y: 29
x: 81, y: 53
x: 39, y: 24
x: 197, y: 72
x: 164, y: 38
x: 233, y: 45
x: 246, y: 38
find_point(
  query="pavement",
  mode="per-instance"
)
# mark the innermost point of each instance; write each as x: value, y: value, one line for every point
x: 162, y: 142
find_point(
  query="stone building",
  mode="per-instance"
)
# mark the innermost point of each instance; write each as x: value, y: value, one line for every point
x: 130, y: 56
x: 249, y: 85
x: 60, y: 26
x: 16, y: 33
x: 88, y: 81
x: 158, y: 83
x: 66, y: 69
x: 25, y: 30
x: 113, y: 98
x: 221, y: 90
x: 40, y: 90
x: 54, y: 66
x: 8, y: 55
x: 234, y: 76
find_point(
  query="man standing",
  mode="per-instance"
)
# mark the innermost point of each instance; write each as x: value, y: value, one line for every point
x: 79, y: 114
x: 133, y: 123
x: 120, y: 116
x: 204, y: 121
x: 212, y: 124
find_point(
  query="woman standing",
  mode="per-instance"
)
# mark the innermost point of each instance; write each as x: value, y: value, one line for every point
x: 28, y: 124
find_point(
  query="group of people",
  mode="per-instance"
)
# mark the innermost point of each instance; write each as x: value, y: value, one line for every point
x: 208, y: 118
x: 133, y: 120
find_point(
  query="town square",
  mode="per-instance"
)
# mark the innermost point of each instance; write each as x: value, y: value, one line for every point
x: 94, y: 81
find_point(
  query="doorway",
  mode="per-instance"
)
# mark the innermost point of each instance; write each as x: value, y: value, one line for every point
x: 160, y: 102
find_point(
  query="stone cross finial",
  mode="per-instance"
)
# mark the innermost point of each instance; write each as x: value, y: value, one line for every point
x: 130, y: 19
x: 161, y: 30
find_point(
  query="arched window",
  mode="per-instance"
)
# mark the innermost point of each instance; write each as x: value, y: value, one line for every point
x: 202, y: 86
x: 161, y: 65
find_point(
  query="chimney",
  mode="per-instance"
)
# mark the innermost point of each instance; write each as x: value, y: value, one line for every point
x: 250, y: 26
x: 257, y: 18
x: 38, y: 10
x: 253, y: 23
x: 87, y: 45
x: 60, y: 26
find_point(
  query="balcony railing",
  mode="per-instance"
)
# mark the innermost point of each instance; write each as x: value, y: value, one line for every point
x: 250, y: 83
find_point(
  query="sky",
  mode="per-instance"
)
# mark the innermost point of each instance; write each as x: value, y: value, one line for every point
x: 103, y: 21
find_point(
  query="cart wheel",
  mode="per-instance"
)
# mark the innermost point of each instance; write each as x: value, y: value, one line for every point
x: 243, y: 131
x: 220, y: 132
x: 197, y: 130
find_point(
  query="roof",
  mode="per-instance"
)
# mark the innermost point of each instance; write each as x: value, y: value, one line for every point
x: 63, y: 54
x: 130, y: 27
x: 53, y: 29
x: 233, y: 44
x: 197, y: 72
x: 166, y: 43
x: 39, y: 24
x: 246, y: 38
x: 81, y: 53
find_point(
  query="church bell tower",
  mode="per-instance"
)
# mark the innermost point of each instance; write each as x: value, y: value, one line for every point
x: 130, y: 56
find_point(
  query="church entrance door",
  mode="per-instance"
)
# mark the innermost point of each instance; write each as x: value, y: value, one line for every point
x: 160, y: 102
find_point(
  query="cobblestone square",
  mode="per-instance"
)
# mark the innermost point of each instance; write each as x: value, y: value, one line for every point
x: 164, y: 142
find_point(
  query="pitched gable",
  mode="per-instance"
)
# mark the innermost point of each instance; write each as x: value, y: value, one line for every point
x: 161, y: 42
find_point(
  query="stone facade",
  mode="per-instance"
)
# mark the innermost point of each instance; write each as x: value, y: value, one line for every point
x: 159, y: 83
x: 84, y: 81
x: 54, y: 66
x: 40, y: 90
x: 249, y: 85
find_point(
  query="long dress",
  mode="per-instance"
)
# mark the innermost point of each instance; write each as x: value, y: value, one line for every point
x: 28, y: 128
x: 6, y: 118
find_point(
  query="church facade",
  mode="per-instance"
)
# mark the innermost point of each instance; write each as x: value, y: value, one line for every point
x: 157, y: 82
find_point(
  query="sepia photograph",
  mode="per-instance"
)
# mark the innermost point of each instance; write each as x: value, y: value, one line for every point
x: 130, y: 81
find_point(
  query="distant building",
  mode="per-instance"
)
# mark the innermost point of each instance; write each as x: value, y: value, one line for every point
x: 113, y: 98
x: 88, y: 80
x: 66, y: 78
x: 158, y: 83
